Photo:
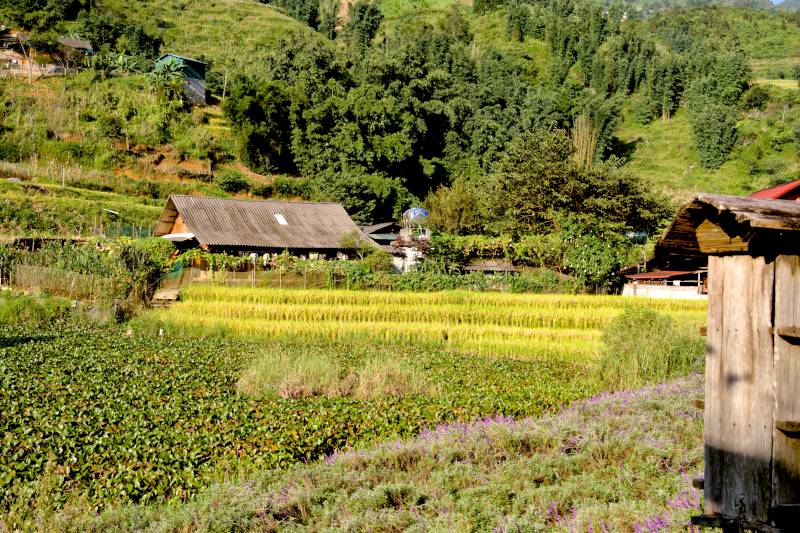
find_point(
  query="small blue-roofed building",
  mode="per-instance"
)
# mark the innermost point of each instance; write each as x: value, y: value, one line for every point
x: 195, y: 74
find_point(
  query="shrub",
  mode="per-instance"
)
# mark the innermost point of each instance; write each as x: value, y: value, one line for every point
x: 379, y: 261
x: 643, y: 346
x: 754, y: 98
x: 292, y: 187
x: 32, y: 312
x: 10, y: 150
x: 781, y: 138
x: 264, y: 190
x: 232, y: 181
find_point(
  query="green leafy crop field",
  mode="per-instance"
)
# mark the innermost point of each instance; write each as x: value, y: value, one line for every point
x: 115, y: 418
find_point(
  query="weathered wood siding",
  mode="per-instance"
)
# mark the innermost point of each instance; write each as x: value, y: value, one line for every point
x: 739, y: 387
x: 179, y: 226
x: 786, y: 445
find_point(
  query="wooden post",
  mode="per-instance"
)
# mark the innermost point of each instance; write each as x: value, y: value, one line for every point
x: 739, y: 387
x: 785, y: 442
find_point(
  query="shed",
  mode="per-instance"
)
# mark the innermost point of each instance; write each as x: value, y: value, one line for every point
x: 263, y: 226
x: 752, y: 387
x: 384, y: 232
x: 678, y: 284
x: 81, y: 46
x: 194, y: 72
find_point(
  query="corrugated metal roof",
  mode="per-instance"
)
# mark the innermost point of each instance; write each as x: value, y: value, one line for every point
x: 258, y: 223
x: 377, y: 228
x: 78, y: 44
x: 785, y: 191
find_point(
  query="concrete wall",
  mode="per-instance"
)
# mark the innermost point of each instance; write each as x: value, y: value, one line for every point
x: 663, y: 291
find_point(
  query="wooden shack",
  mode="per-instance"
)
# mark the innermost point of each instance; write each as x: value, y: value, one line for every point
x: 752, y: 388
x: 242, y: 227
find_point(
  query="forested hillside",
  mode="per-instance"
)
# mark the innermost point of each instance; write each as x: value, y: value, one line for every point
x: 386, y: 104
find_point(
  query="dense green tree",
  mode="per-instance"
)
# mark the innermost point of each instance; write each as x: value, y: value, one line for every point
x: 713, y: 132
x: 456, y: 209
x: 263, y: 127
x: 518, y: 21
x: 538, y: 181
x: 363, y: 21
x: 38, y: 15
x: 303, y: 10
x: 366, y: 197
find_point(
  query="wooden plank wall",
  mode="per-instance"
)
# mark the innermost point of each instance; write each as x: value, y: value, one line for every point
x: 739, y: 387
x: 786, y: 444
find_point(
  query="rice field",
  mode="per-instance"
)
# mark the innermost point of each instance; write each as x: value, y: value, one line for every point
x: 491, y: 324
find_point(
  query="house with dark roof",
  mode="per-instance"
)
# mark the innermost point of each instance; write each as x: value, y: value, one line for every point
x: 234, y: 226
x: 78, y: 46
x: 194, y: 72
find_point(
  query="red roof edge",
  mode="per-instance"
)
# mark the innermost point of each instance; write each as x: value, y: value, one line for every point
x: 777, y: 193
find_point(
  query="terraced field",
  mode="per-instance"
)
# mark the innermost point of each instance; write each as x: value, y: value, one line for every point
x: 493, y: 324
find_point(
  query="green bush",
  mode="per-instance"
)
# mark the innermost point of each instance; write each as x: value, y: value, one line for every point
x: 264, y: 190
x: 289, y: 187
x: 714, y: 132
x: 10, y: 150
x: 781, y: 138
x: 232, y: 181
x: 643, y: 346
x: 17, y: 310
x: 754, y: 98
x: 379, y: 261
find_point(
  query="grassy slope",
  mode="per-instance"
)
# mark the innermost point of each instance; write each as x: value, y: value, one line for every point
x: 613, y: 463
x: 223, y: 30
x: 769, y: 37
x: 232, y: 32
x: 662, y: 152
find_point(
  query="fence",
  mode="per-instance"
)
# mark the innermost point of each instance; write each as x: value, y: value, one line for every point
x: 275, y: 278
x: 256, y: 277
x: 62, y: 282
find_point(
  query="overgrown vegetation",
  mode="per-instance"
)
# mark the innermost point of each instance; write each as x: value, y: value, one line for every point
x: 116, y: 270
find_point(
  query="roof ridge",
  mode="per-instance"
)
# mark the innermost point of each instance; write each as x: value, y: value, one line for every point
x: 253, y: 199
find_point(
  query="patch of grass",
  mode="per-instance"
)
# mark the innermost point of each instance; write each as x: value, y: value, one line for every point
x: 233, y: 32
x: 781, y: 84
x: 307, y: 373
x: 663, y: 154
x: 643, y: 346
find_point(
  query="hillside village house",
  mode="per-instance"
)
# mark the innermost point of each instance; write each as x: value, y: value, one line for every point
x: 314, y: 230
x: 194, y: 71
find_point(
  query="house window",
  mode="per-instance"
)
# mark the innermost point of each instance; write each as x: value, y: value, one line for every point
x: 281, y: 219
